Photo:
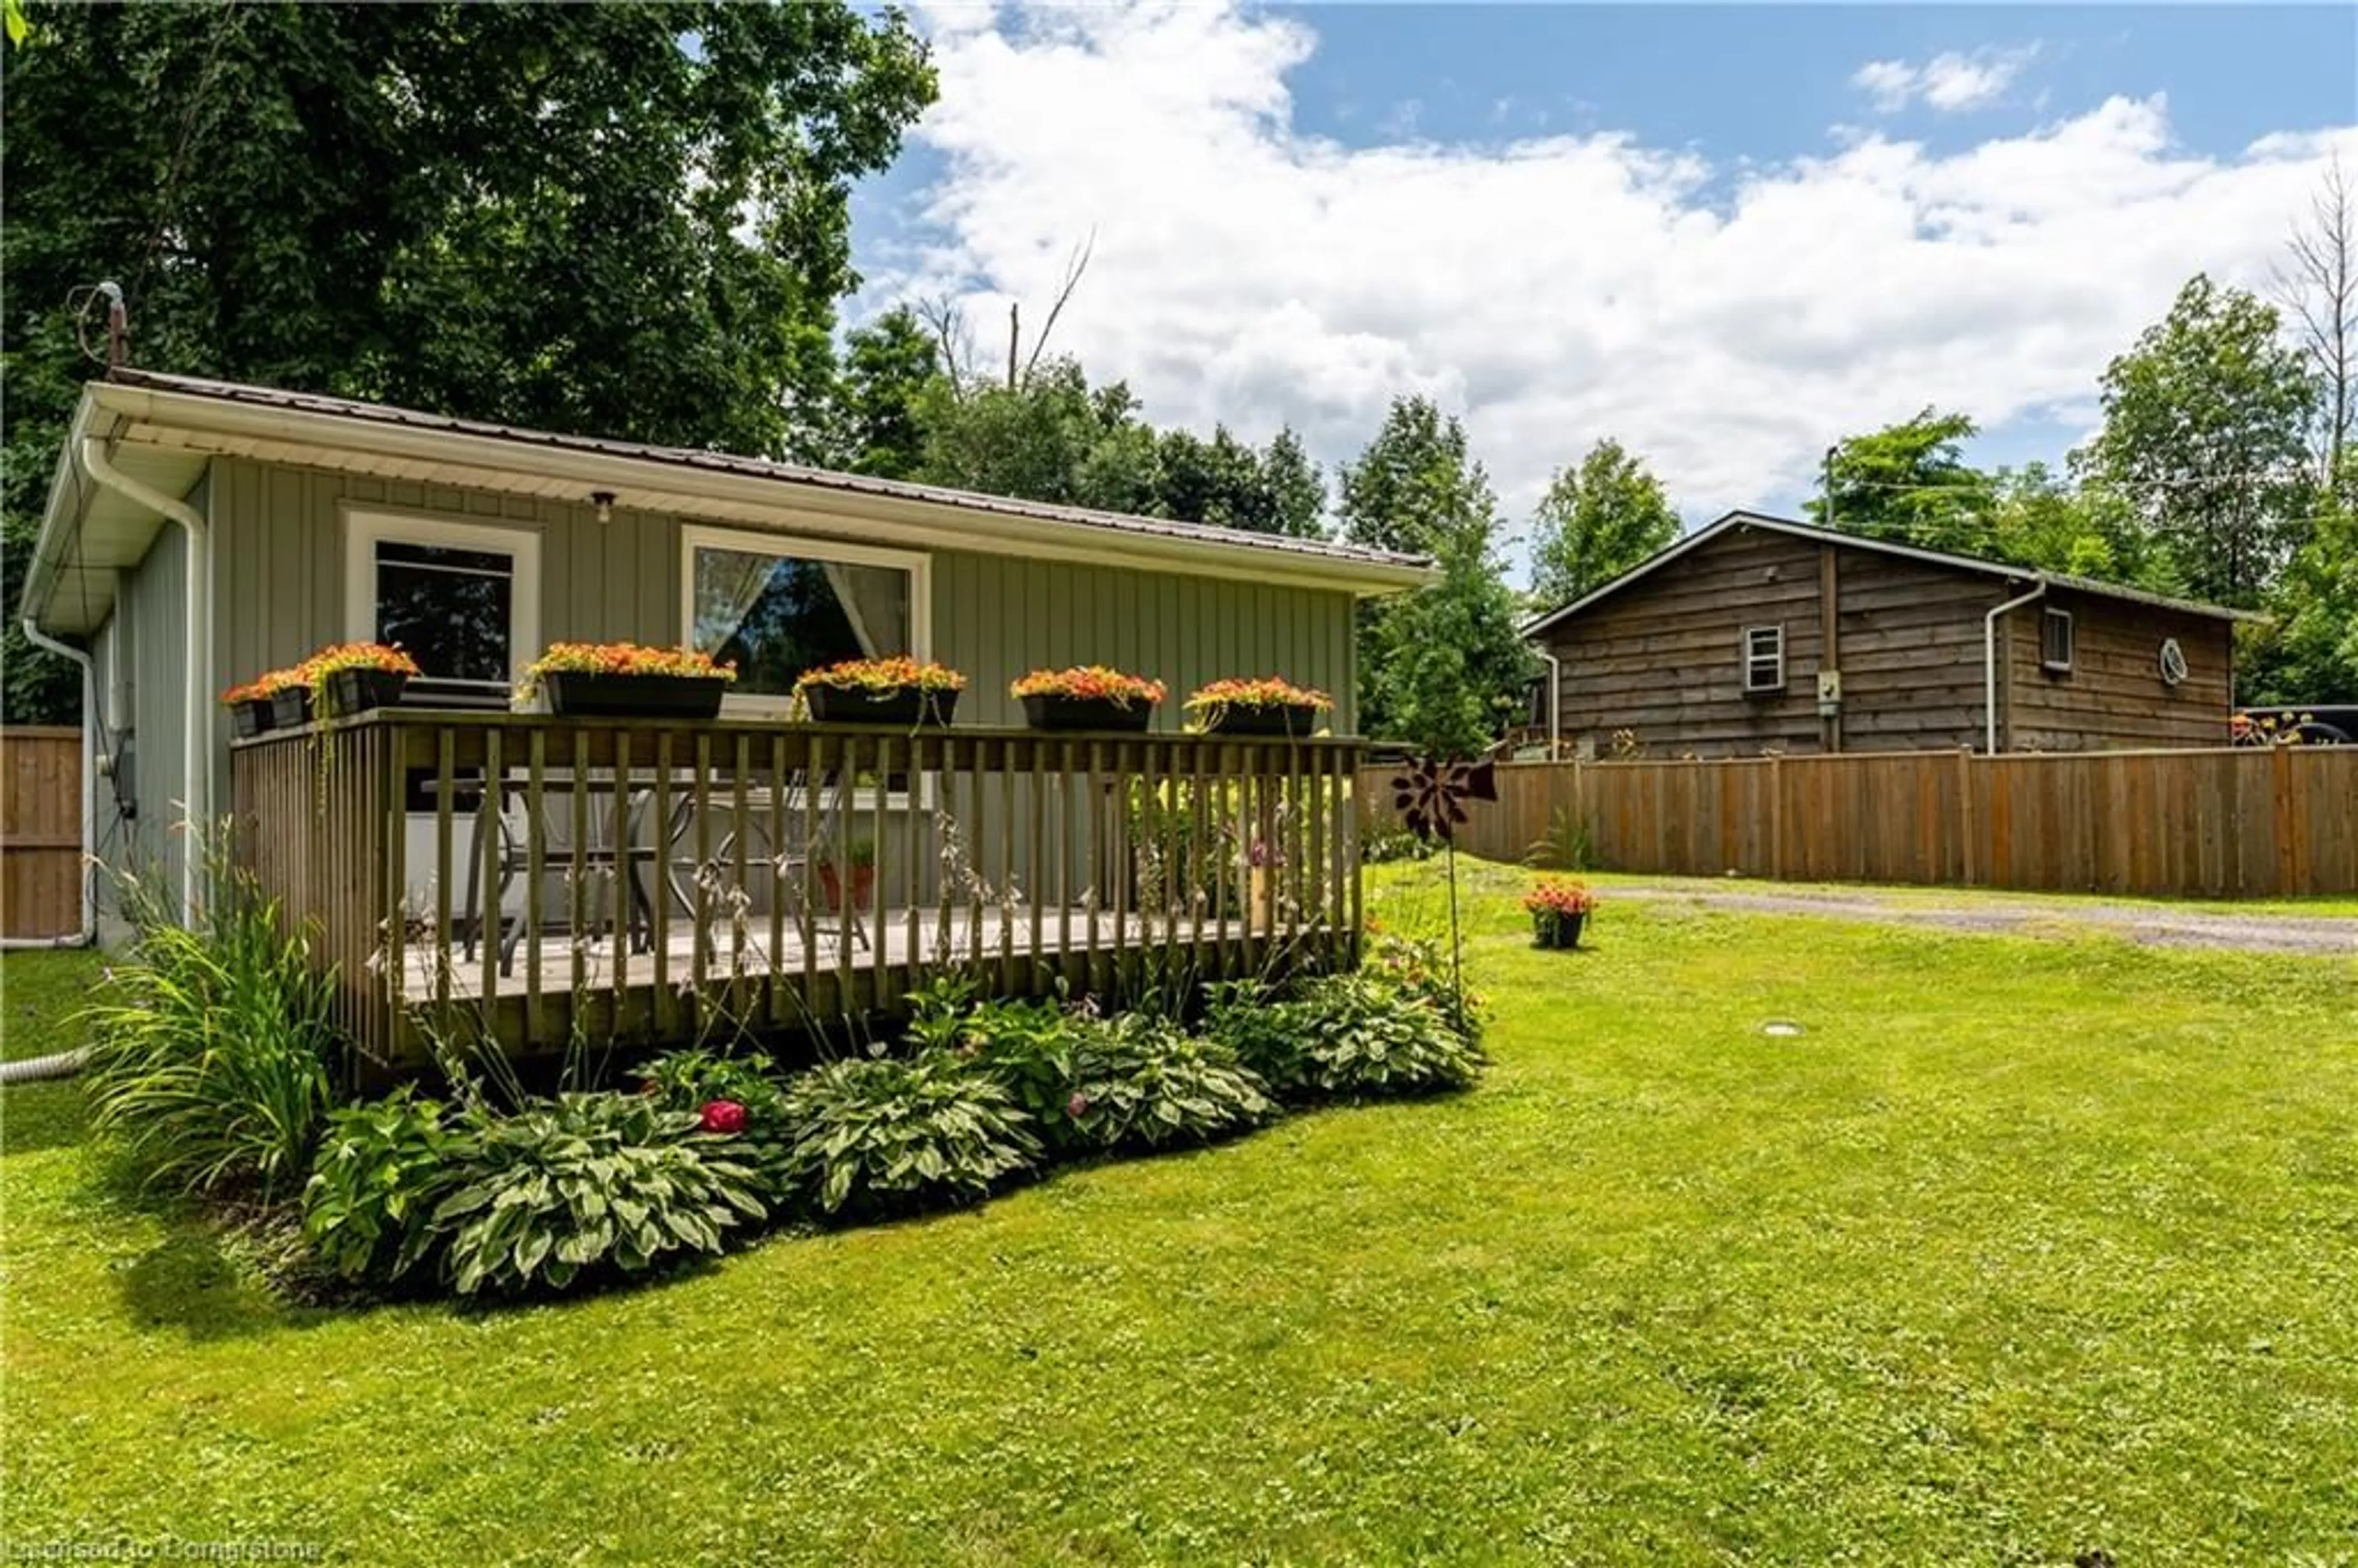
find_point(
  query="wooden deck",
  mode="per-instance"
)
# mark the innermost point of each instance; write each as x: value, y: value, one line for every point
x: 1031, y: 861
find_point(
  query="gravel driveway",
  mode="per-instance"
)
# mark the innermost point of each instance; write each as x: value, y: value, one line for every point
x: 2314, y: 934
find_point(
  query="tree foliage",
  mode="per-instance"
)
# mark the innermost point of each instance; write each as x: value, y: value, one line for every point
x: 1052, y: 437
x: 1909, y: 483
x: 1444, y: 667
x: 2205, y: 421
x: 1596, y: 522
x: 625, y: 219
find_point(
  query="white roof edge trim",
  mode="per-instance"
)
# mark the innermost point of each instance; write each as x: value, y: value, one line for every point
x: 1007, y: 533
x: 1999, y: 569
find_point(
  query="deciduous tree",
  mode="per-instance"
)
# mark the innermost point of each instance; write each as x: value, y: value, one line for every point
x: 1596, y: 522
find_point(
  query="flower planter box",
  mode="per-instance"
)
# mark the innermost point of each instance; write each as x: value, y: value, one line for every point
x: 905, y: 708
x: 1050, y: 711
x: 1274, y: 718
x: 356, y: 691
x: 255, y: 716
x: 291, y: 708
x: 594, y: 694
x: 1557, y: 931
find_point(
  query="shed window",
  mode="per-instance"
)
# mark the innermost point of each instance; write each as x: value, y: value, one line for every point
x: 460, y: 597
x: 2055, y: 641
x: 1764, y: 659
x: 775, y: 606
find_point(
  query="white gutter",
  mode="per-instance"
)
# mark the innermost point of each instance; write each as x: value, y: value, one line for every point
x: 197, y: 722
x: 1989, y: 659
x: 85, y: 873
x: 659, y: 480
x: 1555, y: 703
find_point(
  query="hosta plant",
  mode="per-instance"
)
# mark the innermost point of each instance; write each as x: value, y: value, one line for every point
x: 740, y: 1096
x: 588, y: 1182
x: 381, y: 1169
x: 1139, y: 1083
x: 888, y: 1134
x: 1362, y: 1036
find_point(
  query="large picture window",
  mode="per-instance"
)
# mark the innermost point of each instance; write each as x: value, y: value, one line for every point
x: 461, y: 598
x: 775, y: 606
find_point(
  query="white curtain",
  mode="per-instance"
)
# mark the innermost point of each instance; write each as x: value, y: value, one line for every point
x: 728, y: 582
x: 875, y: 600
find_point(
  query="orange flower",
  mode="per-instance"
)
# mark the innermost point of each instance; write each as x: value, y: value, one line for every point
x: 1097, y: 682
x: 1266, y: 692
x: 621, y: 659
x: 901, y: 674
x: 1555, y: 896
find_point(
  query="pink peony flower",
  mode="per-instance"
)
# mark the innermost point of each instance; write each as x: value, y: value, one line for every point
x: 724, y: 1116
x: 1077, y: 1106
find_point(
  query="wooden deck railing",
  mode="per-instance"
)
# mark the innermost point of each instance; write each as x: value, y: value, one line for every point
x: 651, y: 881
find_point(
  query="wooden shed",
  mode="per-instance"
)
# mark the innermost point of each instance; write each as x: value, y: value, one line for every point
x: 1760, y: 634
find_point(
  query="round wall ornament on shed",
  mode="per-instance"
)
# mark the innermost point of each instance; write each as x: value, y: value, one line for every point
x: 2173, y: 662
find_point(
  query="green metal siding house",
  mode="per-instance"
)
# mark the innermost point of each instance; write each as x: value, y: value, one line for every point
x: 199, y: 533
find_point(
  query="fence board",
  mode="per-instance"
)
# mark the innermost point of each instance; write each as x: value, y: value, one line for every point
x: 40, y: 831
x: 2251, y: 823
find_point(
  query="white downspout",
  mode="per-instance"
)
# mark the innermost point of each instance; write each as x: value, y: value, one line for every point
x: 1555, y: 704
x: 197, y: 723
x: 85, y: 873
x: 1989, y: 659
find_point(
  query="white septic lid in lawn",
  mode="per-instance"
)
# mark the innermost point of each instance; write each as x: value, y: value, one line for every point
x: 1781, y: 1029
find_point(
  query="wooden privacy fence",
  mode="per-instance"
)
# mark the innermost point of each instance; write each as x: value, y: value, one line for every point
x: 2246, y: 823
x: 40, y: 831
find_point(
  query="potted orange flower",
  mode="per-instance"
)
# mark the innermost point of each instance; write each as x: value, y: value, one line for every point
x: 897, y: 691
x: 627, y: 680
x: 1265, y: 706
x: 253, y: 707
x: 1559, y: 908
x: 351, y: 678
x: 1087, y: 696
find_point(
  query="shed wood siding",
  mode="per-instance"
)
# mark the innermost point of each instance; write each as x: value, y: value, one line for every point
x: 2113, y: 695
x: 1909, y: 641
x: 1662, y: 658
x: 279, y: 535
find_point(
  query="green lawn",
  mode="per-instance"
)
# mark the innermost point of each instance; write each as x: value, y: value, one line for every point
x: 2025, y: 1248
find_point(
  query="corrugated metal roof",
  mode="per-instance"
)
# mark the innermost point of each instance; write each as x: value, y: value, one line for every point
x: 2001, y: 569
x: 762, y: 467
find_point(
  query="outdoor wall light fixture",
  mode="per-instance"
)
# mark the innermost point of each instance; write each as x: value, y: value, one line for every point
x: 603, y: 500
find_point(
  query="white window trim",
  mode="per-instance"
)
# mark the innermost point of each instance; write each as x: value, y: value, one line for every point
x: 2071, y: 642
x: 804, y: 548
x: 807, y: 547
x: 1744, y: 648
x: 364, y: 531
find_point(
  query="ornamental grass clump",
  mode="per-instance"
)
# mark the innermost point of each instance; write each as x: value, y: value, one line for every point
x: 212, y: 1049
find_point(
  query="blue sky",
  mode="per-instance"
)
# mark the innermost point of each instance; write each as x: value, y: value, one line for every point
x: 1724, y: 235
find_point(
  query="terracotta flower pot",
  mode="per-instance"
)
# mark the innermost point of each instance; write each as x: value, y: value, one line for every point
x: 863, y: 887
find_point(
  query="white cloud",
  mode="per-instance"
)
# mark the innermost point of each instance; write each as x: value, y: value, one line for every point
x: 1728, y: 321
x: 1948, y: 82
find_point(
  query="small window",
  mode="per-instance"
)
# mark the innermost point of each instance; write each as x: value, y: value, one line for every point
x: 1764, y: 659
x: 2055, y: 641
x: 460, y: 598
